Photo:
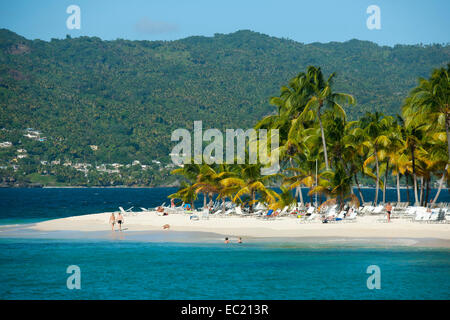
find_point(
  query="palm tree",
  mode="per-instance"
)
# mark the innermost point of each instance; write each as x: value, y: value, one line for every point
x: 208, y: 180
x: 392, y: 149
x: 248, y: 180
x: 432, y: 98
x: 412, y: 131
x: 285, y: 199
x: 430, y: 101
x: 335, y: 184
x: 322, y: 96
x: 376, y: 129
x: 399, y: 161
x: 436, y: 158
x: 186, y: 193
x: 354, y: 153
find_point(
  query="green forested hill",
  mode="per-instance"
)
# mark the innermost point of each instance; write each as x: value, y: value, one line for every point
x: 128, y: 96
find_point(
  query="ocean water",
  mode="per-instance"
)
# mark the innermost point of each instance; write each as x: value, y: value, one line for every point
x: 33, y: 265
x: 36, y: 269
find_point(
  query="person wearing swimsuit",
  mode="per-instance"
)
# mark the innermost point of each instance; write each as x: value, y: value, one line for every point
x: 388, y: 210
x: 112, y: 220
x: 120, y: 221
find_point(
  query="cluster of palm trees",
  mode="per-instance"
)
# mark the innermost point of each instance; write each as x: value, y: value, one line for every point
x: 321, y: 150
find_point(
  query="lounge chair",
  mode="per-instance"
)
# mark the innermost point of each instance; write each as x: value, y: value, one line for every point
x: 205, y: 214
x: 421, y: 215
x: 258, y: 213
x: 378, y: 210
x: 194, y: 217
x: 268, y: 215
x: 229, y: 212
x: 127, y: 212
x: 311, y: 218
x: 285, y: 209
x: 259, y: 206
x: 367, y: 209
x: 351, y: 217
x: 310, y: 210
x: 338, y: 218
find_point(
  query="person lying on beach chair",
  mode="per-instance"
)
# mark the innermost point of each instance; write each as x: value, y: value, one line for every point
x: 329, y: 218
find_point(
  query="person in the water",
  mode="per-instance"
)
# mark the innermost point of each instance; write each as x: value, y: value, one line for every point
x: 226, y: 240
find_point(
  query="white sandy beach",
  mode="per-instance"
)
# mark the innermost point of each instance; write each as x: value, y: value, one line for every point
x: 364, y: 227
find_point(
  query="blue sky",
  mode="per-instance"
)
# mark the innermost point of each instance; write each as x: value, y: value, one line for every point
x: 402, y: 21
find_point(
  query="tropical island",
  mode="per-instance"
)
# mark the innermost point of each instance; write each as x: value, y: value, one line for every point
x: 324, y: 152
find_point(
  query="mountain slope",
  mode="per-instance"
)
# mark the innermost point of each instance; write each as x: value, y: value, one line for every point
x: 127, y: 97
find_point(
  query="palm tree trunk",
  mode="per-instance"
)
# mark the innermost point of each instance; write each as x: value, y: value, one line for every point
x: 378, y: 178
x: 385, y: 180
x: 440, y: 184
x: 204, y: 200
x: 298, y: 189
x: 447, y: 121
x: 414, y: 176
x: 427, y: 193
x: 253, y: 202
x: 300, y: 195
x: 359, y: 189
x: 325, y: 154
x: 223, y: 205
x: 398, y: 187
x: 407, y: 188
x: 421, y: 191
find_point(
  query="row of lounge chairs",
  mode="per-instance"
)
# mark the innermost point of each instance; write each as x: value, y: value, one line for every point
x: 400, y: 210
x: 412, y: 213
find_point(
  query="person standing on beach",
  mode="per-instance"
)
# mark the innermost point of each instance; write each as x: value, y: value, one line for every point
x: 388, y: 210
x: 112, y: 220
x: 120, y: 220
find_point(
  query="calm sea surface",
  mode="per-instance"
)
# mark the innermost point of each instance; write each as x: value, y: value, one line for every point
x: 35, y: 268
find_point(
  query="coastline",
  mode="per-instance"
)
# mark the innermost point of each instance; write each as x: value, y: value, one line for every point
x: 164, y: 186
x: 365, y: 230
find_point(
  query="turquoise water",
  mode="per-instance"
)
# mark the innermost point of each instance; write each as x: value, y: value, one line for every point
x: 36, y: 269
x: 164, y: 266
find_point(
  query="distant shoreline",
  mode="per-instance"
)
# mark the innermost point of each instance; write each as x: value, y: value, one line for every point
x: 168, y: 186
